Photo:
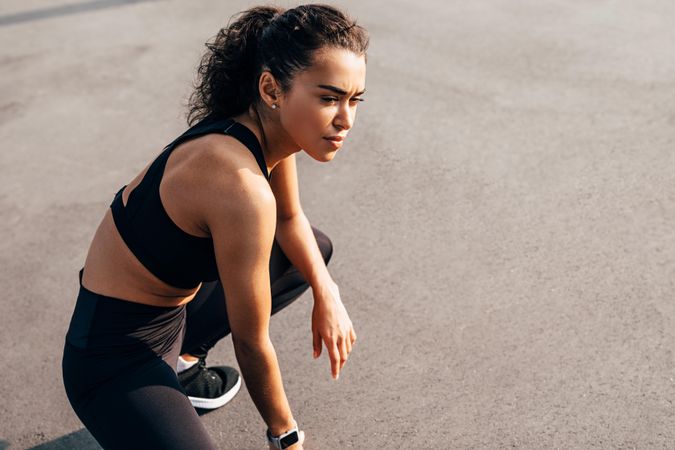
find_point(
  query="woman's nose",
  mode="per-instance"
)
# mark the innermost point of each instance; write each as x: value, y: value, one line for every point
x: 344, y: 119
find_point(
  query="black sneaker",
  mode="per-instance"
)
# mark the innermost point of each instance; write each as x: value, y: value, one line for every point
x: 209, y: 388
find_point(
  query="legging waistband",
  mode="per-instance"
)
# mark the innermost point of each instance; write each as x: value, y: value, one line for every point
x: 108, y: 325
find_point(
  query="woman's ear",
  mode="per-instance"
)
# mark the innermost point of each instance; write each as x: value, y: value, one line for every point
x: 269, y: 89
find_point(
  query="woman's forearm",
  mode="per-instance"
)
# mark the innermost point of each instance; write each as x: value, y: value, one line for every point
x: 260, y: 371
x: 296, y: 239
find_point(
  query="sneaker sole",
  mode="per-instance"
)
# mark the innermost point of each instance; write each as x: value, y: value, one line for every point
x: 213, y: 403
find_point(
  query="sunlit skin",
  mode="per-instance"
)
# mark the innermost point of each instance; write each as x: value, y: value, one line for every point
x: 321, y: 102
x: 304, y: 115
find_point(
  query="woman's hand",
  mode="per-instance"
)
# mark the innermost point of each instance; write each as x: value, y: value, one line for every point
x: 331, y: 324
x: 297, y: 445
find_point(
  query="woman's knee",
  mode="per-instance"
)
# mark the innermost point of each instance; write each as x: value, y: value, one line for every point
x: 325, y: 244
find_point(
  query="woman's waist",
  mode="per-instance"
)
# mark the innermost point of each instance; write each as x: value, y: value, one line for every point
x: 110, y: 324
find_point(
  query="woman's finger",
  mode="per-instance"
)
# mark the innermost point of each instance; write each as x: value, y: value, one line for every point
x: 351, y: 337
x: 344, y: 354
x: 334, y: 355
x: 316, y: 344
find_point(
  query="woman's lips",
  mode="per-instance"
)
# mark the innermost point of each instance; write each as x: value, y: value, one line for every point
x: 337, y: 143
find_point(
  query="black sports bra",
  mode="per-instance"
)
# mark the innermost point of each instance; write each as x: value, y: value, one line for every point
x: 178, y: 258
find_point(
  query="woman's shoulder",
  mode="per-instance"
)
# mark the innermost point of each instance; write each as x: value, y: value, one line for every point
x: 223, y: 156
x: 224, y: 176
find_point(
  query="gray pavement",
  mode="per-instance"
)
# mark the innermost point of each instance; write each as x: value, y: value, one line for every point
x: 503, y: 218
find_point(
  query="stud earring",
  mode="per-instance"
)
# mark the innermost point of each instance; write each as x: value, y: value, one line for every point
x: 274, y: 106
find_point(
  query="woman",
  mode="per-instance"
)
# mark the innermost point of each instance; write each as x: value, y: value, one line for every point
x: 210, y: 239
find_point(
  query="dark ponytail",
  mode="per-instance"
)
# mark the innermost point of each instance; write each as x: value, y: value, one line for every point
x: 266, y: 38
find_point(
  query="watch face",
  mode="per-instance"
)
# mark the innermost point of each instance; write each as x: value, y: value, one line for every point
x: 289, y: 440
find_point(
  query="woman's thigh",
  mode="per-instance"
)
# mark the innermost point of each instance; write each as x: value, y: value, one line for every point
x: 118, y: 370
x: 142, y: 409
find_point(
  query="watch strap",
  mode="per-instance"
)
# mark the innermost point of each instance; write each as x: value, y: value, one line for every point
x: 284, y: 440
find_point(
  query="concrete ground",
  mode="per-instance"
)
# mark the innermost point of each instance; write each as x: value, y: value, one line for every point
x: 503, y: 218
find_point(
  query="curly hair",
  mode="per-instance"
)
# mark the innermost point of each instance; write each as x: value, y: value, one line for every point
x: 266, y: 38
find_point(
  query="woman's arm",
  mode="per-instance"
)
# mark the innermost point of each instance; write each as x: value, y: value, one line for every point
x: 296, y: 239
x: 293, y: 231
x: 241, y: 219
x: 330, y: 322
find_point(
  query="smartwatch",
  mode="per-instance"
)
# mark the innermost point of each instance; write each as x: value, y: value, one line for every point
x: 284, y: 440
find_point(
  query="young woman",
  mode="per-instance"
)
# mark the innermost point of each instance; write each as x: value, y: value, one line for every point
x: 210, y: 239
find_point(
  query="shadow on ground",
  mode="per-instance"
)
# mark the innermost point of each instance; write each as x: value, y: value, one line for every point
x: 200, y: 412
x: 81, y: 440
x: 62, y: 10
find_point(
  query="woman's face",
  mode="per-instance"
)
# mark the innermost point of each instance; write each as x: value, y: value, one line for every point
x: 322, y: 101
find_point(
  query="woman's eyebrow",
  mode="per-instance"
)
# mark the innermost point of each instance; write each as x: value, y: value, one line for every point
x: 337, y: 90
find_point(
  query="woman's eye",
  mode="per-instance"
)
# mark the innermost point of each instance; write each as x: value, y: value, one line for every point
x: 334, y: 99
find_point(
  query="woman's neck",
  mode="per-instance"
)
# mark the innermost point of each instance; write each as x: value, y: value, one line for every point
x: 276, y: 144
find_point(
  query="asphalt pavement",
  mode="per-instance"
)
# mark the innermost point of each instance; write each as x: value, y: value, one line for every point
x: 503, y: 218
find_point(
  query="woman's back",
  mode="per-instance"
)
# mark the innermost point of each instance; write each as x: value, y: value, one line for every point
x: 153, y: 245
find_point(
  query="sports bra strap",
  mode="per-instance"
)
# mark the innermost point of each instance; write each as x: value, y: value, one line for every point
x: 227, y: 126
x: 246, y: 137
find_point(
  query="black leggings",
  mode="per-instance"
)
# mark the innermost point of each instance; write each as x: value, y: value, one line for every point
x: 119, y: 359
